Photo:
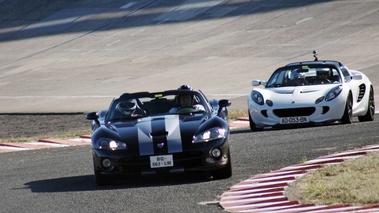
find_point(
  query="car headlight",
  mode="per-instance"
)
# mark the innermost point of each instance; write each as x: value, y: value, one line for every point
x: 257, y: 97
x: 109, y: 144
x: 209, y: 135
x: 333, y: 93
x: 319, y: 100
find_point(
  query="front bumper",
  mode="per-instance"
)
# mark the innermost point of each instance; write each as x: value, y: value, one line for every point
x: 322, y: 113
x: 186, y: 161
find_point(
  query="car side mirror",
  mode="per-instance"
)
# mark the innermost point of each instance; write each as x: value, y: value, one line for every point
x: 93, y: 116
x: 222, y: 104
x: 258, y: 83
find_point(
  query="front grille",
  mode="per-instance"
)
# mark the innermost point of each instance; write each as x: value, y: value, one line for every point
x: 184, y: 159
x: 305, y: 111
x: 325, y: 109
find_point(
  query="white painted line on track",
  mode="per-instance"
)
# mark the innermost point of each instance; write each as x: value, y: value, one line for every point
x: 126, y: 6
x: 47, y: 144
x: 114, y: 42
x: 304, y: 20
x: 81, y: 140
x: 56, y: 97
x: 227, y: 95
x: 14, y: 148
x: 85, y: 53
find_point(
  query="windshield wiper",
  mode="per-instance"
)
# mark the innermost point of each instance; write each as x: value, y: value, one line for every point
x: 275, y: 85
x: 124, y: 118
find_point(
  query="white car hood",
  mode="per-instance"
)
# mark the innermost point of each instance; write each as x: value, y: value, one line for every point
x: 298, y: 94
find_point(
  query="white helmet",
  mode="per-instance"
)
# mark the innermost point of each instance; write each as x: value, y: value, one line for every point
x: 323, y: 71
x: 297, y: 75
x: 127, y: 107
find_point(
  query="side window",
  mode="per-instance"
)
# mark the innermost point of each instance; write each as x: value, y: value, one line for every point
x: 345, y: 73
x: 335, y: 77
x: 197, y: 100
x: 273, y: 79
x: 278, y: 78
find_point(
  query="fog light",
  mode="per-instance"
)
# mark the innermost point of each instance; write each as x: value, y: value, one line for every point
x: 216, y: 153
x: 104, y: 144
x: 107, y: 164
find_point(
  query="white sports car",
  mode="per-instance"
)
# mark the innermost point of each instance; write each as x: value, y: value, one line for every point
x: 311, y: 92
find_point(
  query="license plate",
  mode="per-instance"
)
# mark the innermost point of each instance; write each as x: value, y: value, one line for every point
x: 161, y: 161
x: 294, y: 120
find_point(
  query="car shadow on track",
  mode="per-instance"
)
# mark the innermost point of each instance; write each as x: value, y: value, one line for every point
x: 279, y: 128
x: 86, y: 182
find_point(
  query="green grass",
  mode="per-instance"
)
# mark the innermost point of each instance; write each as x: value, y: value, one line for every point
x: 235, y: 114
x: 44, y: 136
x: 355, y: 181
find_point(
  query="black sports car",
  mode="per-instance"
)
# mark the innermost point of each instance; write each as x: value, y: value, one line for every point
x: 153, y: 133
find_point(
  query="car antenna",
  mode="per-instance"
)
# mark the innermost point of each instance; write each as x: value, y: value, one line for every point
x: 315, y: 55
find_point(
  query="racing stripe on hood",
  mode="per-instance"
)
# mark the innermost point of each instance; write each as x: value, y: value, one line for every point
x: 145, y: 142
x: 174, y: 140
x: 159, y: 135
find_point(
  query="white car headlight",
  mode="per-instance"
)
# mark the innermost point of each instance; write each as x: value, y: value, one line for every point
x: 106, y: 143
x: 257, y: 97
x: 209, y: 135
x: 333, y: 93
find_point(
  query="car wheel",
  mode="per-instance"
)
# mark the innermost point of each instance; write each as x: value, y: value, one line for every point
x: 369, y: 116
x: 225, y: 115
x: 348, y: 113
x: 100, y: 180
x: 253, y: 127
x: 225, y: 172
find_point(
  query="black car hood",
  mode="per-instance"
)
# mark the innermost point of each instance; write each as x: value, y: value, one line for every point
x: 159, y: 134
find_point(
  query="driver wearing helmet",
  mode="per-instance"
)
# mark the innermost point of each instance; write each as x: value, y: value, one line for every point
x: 322, y: 76
x: 186, y: 101
x: 297, y: 78
x: 130, y: 108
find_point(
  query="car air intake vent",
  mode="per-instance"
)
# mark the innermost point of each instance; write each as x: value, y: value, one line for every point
x: 362, y: 91
x: 158, y: 133
x: 306, y: 111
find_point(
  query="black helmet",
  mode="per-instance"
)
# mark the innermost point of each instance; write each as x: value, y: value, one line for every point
x: 185, y: 87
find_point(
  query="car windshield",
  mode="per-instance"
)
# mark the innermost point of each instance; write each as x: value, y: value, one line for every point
x: 304, y: 75
x: 137, y: 105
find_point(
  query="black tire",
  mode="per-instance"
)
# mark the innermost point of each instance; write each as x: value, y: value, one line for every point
x: 100, y: 180
x: 253, y: 127
x: 225, y: 172
x: 225, y: 115
x: 347, y: 117
x: 369, y: 116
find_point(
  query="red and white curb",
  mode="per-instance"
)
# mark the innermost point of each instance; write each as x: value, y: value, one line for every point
x: 44, y: 144
x: 266, y: 192
x: 82, y: 140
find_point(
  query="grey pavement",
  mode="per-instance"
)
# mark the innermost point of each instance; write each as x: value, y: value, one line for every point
x: 75, y: 56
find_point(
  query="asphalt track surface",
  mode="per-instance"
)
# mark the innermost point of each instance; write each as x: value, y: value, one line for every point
x: 75, y: 56
x: 61, y: 179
